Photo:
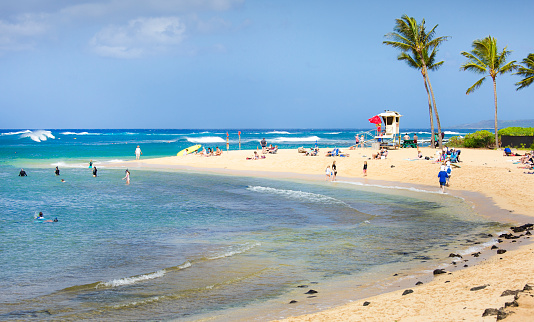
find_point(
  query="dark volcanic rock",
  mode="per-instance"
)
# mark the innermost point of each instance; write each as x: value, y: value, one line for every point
x: 455, y: 255
x: 522, y: 228
x: 477, y: 288
x: 311, y: 292
x: 419, y: 283
x: 508, y: 236
x: 439, y: 271
x: 490, y: 312
x: 527, y: 288
x: 494, y: 247
x: 292, y: 302
x: 475, y: 254
x: 511, y: 304
x: 509, y: 292
x: 406, y: 292
x: 366, y: 303
x: 501, y: 251
x: 302, y: 286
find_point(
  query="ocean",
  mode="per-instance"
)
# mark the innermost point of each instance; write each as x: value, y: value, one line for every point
x: 182, y: 245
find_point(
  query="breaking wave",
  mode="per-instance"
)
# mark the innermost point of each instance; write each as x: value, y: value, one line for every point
x: 297, y: 139
x: 206, y: 139
x: 37, y: 135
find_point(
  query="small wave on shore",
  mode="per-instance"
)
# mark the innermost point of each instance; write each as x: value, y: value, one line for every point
x: 298, y: 195
x: 234, y: 250
x: 131, y: 280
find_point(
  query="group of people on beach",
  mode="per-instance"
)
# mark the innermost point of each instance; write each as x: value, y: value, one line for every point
x: 331, y: 171
x: 209, y: 152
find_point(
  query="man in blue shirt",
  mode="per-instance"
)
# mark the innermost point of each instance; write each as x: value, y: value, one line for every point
x: 442, y: 175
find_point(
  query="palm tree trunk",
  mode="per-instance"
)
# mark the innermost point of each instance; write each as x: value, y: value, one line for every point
x: 430, y: 113
x: 496, y: 127
x: 435, y: 112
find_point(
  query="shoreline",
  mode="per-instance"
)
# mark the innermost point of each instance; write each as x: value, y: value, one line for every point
x: 499, y: 202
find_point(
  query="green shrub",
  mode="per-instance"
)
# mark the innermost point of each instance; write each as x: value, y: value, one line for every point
x: 479, y: 139
x: 517, y: 131
x: 456, y: 142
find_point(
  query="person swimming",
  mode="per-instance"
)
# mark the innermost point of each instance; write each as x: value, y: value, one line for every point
x: 40, y: 215
x: 22, y: 173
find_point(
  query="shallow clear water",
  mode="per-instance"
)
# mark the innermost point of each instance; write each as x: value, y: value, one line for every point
x: 180, y: 245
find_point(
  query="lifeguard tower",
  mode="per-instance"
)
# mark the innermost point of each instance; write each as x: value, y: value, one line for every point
x: 389, y: 135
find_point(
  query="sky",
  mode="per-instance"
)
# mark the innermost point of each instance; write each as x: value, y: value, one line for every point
x: 243, y: 64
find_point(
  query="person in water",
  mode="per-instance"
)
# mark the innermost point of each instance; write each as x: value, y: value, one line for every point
x: 40, y: 215
x: 57, y: 171
x: 22, y: 173
x: 94, y: 171
x: 127, y: 177
x: 90, y: 164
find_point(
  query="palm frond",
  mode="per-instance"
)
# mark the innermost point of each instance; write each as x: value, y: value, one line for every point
x: 475, y: 85
x: 527, y: 71
x: 509, y: 67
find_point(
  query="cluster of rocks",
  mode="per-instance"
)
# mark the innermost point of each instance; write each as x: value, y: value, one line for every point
x: 502, y: 313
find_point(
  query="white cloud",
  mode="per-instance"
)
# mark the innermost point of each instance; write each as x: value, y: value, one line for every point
x: 140, y: 37
x: 19, y: 34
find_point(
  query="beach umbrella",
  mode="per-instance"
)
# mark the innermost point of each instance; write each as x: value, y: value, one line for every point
x: 375, y: 120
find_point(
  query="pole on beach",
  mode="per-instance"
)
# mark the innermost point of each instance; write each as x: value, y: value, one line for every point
x: 227, y: 142
x: 239, y: 133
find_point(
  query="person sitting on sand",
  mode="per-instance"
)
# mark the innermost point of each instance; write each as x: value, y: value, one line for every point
x: 419, y: 153
x: 218, y: 151
x: 507, y: 152
x: 274, y: 149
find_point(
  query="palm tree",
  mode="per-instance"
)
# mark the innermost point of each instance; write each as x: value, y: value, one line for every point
x: 414, y: 61
x: 485, y: 58
x: 410, y: 37
x: 527, y: 72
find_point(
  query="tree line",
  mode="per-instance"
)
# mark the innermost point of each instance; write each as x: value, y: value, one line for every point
x: 419, y: 48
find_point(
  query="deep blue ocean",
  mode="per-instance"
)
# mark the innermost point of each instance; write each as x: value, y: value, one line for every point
x: 176, y: 245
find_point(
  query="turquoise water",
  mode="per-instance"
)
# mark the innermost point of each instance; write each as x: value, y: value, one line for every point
x: 180, y: 245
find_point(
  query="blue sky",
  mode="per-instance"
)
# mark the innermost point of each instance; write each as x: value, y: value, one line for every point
x: 245, y: 64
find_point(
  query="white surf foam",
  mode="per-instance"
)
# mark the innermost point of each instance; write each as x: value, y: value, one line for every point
x: 298, y: 195
x: 206, y: 139
x: 297, y: 139
x: 79, y: 133
x: 278, y: 132
x: 38, y: 135
x: 132, y: 280
x: 16, y: 133
x: 234, y: 250
x: 392, y: 187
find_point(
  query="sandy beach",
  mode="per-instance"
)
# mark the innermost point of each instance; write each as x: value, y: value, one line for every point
x: 497, y: 187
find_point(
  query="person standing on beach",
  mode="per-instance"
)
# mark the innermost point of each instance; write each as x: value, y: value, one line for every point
x: 328, y: 173
x: 127, y: 177
x: 94, y: 171
x: 334, y: 170
x: 365, y: 168
x: 57, y: 171
x: 263, y: 145
x: 415, y: 139
x: 442, y: 175
x: 138, y: 153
